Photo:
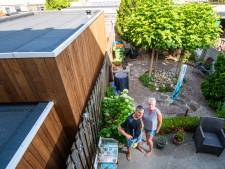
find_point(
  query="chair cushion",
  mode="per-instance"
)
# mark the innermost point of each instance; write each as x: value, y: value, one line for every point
x: 211, y: 139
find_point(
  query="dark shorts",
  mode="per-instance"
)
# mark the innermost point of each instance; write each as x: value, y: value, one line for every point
x: 150, y: 132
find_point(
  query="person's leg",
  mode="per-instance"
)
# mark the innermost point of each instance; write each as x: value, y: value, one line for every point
x: 139, y: 143
x: 149, y: 139
x: 128, y: 153
x: 129, y: 145
x: 139, y: 147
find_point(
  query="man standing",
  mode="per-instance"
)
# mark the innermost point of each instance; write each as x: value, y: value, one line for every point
x: 152, y: 120
x: 131, y: 129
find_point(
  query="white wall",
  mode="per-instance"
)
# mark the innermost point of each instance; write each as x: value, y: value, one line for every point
x: 19, y: 2
x: 219, y: 8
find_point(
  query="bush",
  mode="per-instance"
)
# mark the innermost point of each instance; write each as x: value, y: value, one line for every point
x: 145, y: 79
x: 213, y: 87
x: 115, y: 110
x: 57, y: 4
x: 109, y: 91
x: 221, y: 111
x: 173, y: 124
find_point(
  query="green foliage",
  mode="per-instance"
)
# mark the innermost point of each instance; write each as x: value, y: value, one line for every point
x: 196, y: 17
x: 145, y: 79
x: 57, y: 4
x: 148, y: 81
x: 165, y: 89
x: 109, y: 91
x: 220, y: 63
x: 150, y: 24
x: 115, y: 110
x: 179, y: 136
x: 213, y: 87
x: 161, y: 142
x: 172, y: 124
x: 159, y: 24
x: 221, y: 111
x: 126, y: 6
x: 119, y: 53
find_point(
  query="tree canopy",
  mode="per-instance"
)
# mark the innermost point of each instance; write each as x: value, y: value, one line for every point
x: 159, y: 24
x: 57, y: 4
x: 200, y: 26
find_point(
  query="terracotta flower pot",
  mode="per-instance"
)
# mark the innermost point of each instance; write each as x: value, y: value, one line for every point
x: 175, y: 141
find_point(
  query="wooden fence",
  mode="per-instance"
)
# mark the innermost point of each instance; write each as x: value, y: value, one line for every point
x: 85, y: 144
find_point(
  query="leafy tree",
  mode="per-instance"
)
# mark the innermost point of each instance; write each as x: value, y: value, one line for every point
x: 213, y: 87
x: 57, y: 4
x: 125, y: 8
x: 159, y: 25
x: 200, y: 29
x: 152, y: 25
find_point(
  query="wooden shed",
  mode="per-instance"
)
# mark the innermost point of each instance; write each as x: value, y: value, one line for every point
x: 56, y: 57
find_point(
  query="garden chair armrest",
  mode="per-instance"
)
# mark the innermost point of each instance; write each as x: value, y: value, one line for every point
x: 222, y: 137
x: 199, y: 135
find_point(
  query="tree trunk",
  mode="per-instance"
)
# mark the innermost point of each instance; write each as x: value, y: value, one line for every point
x: 151, y: 62
x: 180, y: 62
x: 174, y: 53
x: 156, y: 59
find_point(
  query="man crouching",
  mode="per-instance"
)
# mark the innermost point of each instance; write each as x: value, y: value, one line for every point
x: 131, y: 128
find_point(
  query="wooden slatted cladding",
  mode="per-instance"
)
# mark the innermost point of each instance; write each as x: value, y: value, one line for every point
x: 67, y: 80
x: 49, y: 146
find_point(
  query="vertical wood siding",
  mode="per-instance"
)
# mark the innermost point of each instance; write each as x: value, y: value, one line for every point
x: 67, y: 80
x: 48, y: 148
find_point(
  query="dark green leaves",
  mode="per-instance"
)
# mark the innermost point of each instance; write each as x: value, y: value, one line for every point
x: 115, y: 109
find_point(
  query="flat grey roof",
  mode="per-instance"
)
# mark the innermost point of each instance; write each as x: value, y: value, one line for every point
x: 43, y: 34
x: 19, y: 124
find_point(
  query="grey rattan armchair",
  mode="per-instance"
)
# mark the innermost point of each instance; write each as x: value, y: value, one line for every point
x: 209, y: 136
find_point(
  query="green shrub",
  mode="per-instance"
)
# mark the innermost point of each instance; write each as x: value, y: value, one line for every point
x: 115, y: 110
x: 220, y: 63
x: 221, y: 111
x: 173, y: 124
x: 57, y: 4
x: 213, y: 87
x: 109, y: 91
x: 145, y: 79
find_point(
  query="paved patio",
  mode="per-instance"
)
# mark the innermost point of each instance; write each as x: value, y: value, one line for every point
x: 172, y: 157
x: 190, y: 93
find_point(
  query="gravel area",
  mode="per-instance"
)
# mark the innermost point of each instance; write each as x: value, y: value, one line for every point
x: 190, y: 95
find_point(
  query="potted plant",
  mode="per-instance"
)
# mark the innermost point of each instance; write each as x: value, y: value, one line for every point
x: 161, y: 142
x: 178, y: 137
